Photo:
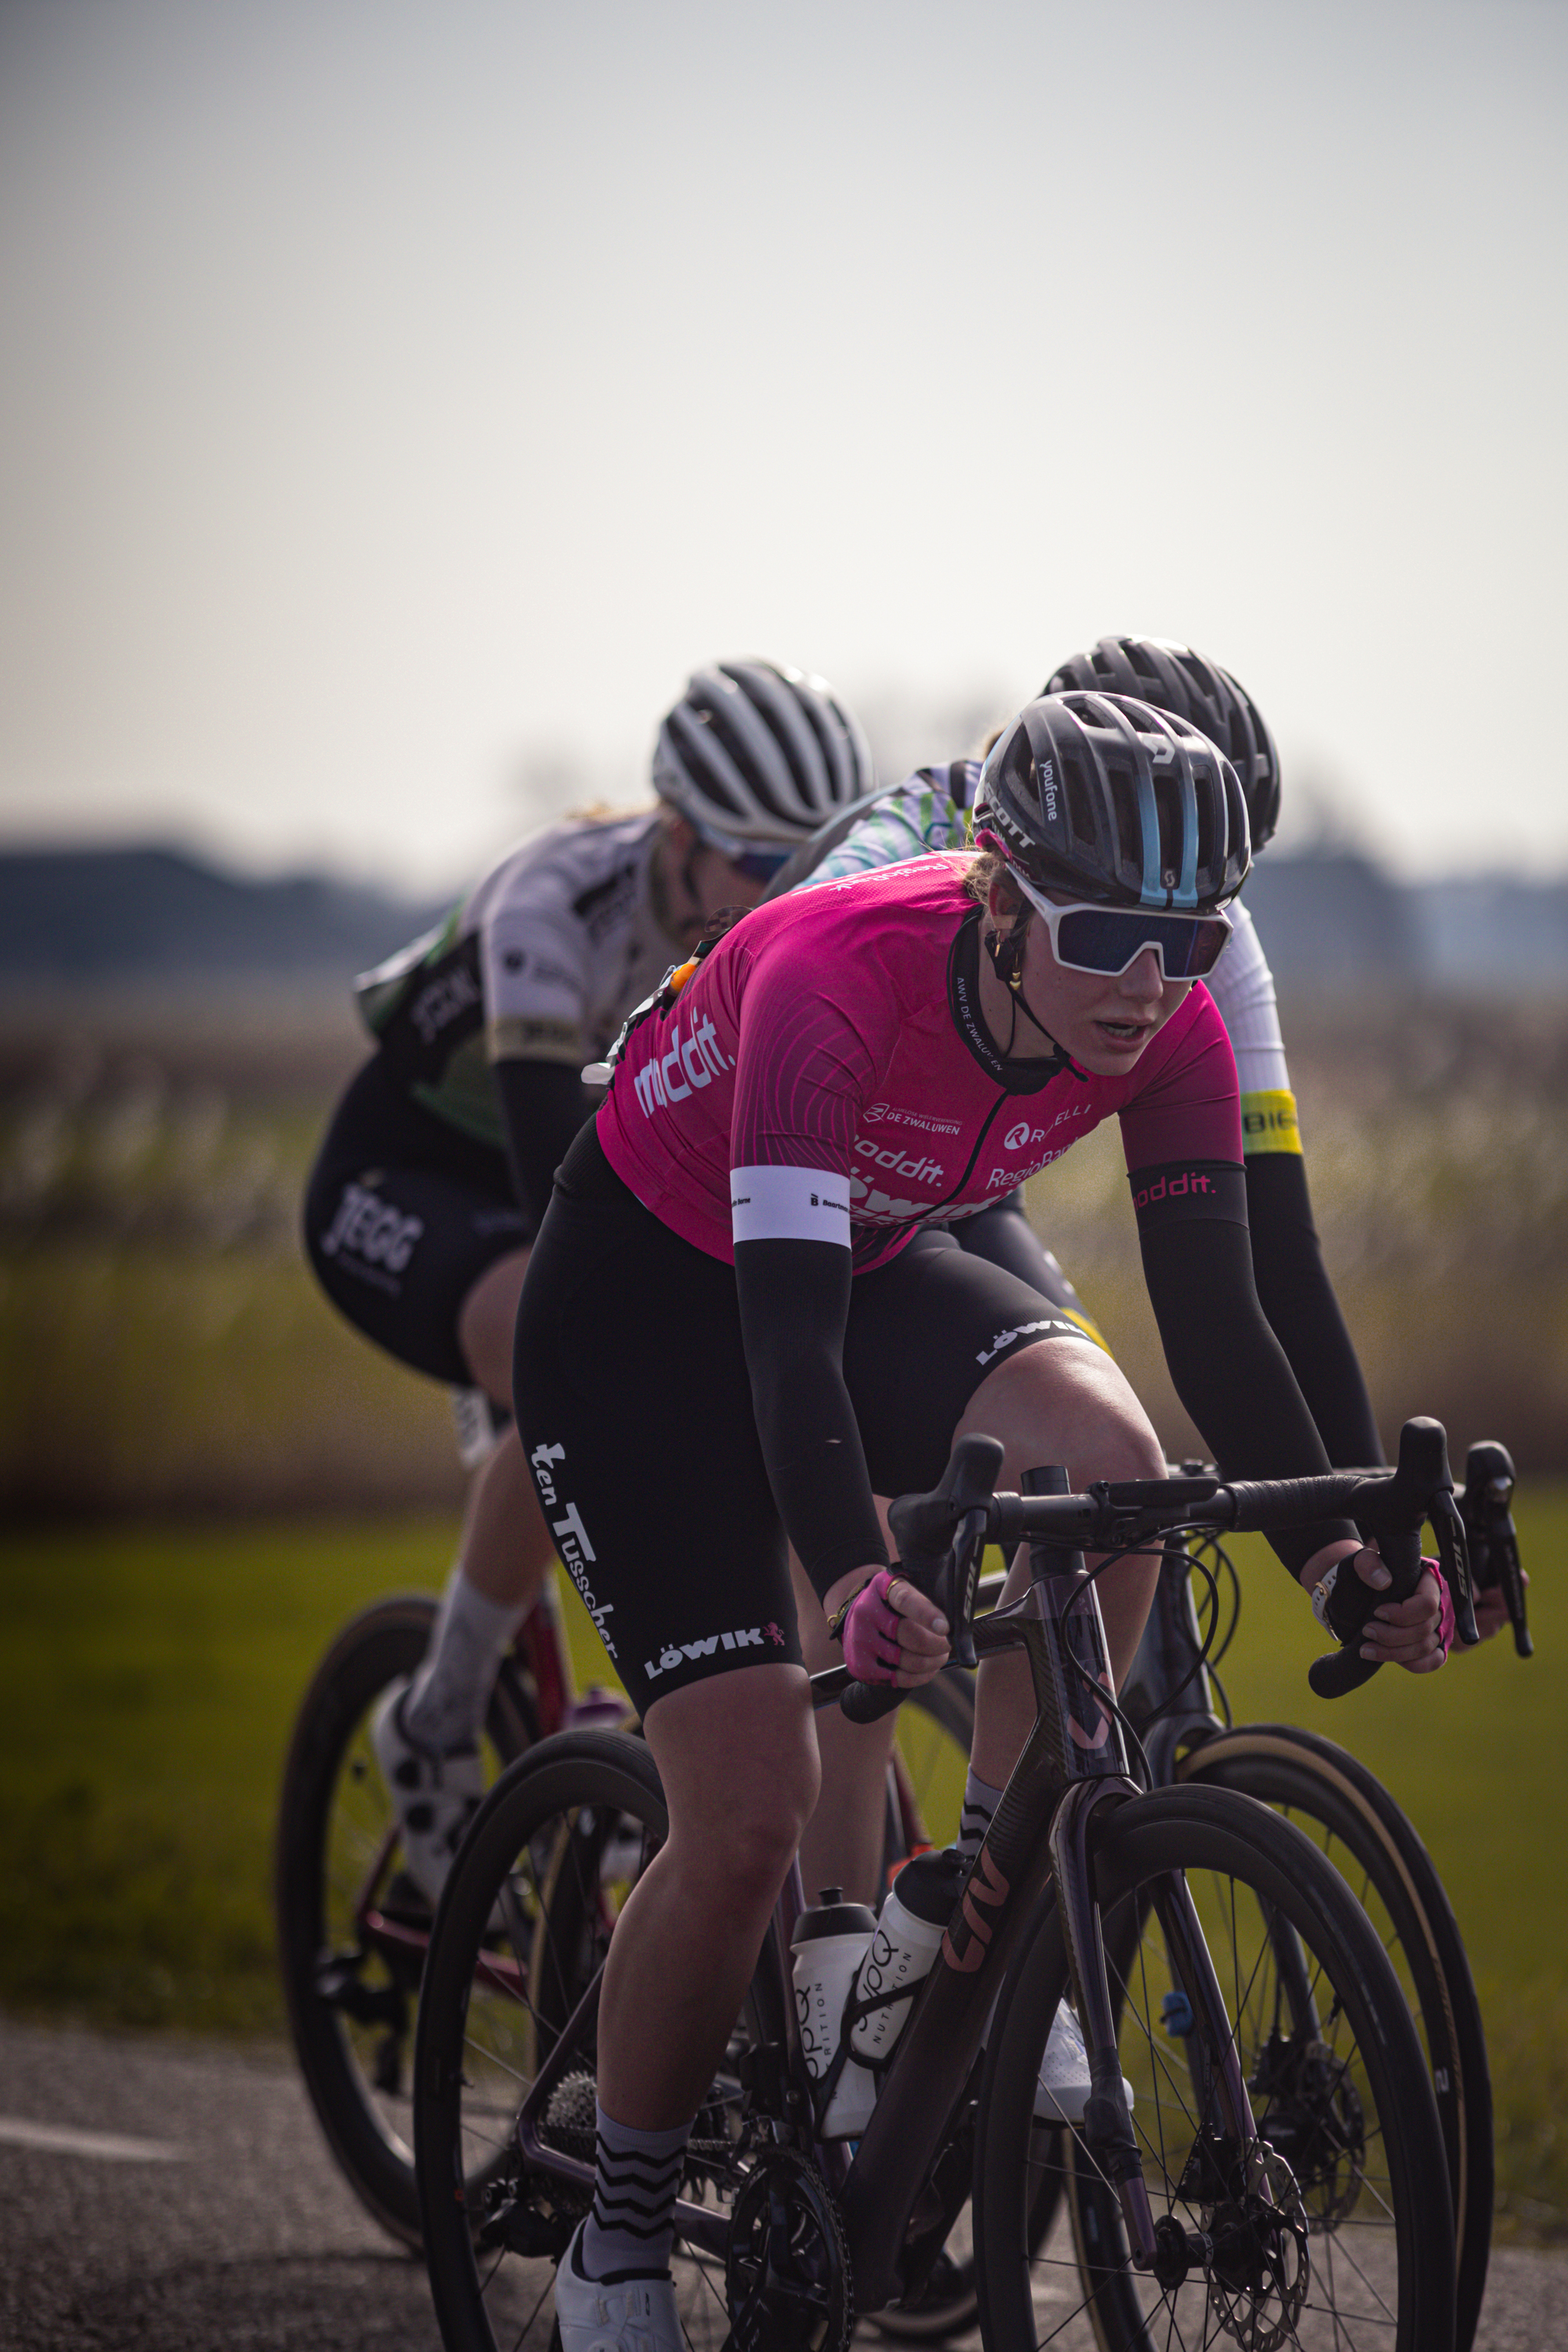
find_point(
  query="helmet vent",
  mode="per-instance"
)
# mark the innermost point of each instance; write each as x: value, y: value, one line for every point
x: 1124, y: 803
x: 1081, y: 800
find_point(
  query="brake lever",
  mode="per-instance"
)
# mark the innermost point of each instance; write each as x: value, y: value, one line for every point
x: 1454, y: 1560
x: 1494, y: 1540
x: 941, y: 1536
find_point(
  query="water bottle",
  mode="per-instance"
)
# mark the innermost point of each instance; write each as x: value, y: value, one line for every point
x: 828, y: 1945
x: 909, y: 1934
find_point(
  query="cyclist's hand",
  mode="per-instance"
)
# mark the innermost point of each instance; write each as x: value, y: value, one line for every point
x: 1492, y: 1610
x: 1416, y: 1633
x: 891, y: 1634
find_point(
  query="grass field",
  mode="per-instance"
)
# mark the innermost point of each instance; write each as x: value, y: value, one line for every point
x: 149, y: 1678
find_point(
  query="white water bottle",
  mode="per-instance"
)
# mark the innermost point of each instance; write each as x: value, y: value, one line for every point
x: 908, y: 1938
x: 828, y: 1945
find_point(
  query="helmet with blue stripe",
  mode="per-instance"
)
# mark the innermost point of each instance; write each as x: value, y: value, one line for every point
x: 1114, y: 801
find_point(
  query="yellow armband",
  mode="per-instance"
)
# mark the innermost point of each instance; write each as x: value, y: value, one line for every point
x: 1269, y: 1123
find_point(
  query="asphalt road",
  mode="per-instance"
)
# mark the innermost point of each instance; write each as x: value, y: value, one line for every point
x: 157, y: 2196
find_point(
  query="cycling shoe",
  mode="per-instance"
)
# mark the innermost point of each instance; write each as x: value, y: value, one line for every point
x: 621, y: 2314
x: 1063, y: 2089
x: 436, y: 1796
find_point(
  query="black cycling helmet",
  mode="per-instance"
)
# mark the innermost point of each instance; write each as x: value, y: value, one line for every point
x: 757, y: 755
x: 1174, y: 677
x: 1114, y: 801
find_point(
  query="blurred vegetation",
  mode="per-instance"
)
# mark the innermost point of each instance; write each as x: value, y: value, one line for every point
x: 1437, y: 1143
x: 163, y: 1345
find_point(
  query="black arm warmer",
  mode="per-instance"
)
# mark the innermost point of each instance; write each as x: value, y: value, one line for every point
x: 794, y: 1304
x: 1229, y: 1369
x: 1295, y: 1293
x: 542, y: 1105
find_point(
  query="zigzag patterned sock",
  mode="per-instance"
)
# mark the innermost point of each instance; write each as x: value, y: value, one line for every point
x: 980, y: 1802
x: 632, y: 2224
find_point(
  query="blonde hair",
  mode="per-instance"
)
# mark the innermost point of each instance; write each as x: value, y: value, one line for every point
x: 609, y: 813
x: 987, y: 868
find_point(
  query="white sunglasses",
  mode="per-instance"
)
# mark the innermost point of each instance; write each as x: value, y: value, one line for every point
x: 1109, y: 940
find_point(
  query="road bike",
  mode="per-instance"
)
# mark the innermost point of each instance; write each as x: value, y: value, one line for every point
x: 1279, y: 2175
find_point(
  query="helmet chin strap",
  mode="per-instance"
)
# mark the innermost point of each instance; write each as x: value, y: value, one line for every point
x: 1007, y: 953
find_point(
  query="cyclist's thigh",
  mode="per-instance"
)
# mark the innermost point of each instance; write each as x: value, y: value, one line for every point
x: 634, y: 1405
x: 923, y: 1334
x: 1003, y: 1235
x: 402, y: 1216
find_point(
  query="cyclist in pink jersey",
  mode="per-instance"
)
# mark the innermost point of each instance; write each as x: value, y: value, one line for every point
x: 743, y: 1316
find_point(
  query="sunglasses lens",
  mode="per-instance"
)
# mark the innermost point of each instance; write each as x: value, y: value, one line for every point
x: 1106, y: 939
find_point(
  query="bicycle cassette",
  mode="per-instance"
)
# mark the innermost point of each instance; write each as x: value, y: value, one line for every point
x: 786, y: 2270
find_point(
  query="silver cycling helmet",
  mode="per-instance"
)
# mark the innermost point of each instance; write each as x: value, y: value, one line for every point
x: 757, y: 755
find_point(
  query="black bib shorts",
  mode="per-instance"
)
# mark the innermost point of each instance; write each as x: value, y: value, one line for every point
x: 402, y: 1214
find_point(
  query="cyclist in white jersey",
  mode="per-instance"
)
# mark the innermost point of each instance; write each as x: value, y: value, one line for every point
x: 439, y: 1163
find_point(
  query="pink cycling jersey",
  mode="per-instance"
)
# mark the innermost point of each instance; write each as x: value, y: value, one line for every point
x: 814, y: 1080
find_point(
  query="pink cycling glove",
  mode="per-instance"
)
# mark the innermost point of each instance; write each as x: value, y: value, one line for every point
x: 870, y: 1632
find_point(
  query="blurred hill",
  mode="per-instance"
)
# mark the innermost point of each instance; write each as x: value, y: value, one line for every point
x: 1331, y: 920
x: 74, y: 916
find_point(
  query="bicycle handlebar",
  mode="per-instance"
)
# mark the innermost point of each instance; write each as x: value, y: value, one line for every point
x: 941, y: 1534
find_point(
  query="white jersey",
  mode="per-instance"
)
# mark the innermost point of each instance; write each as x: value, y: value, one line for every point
x: 541, y: 963
x: 929, y: 811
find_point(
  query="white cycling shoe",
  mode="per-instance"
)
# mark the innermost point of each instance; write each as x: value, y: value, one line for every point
x: 436, y: 1796
x: 630, y: 2314
x: 1063, y: 2089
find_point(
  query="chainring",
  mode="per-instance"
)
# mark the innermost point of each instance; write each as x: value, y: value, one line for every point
x: 786, y: 2270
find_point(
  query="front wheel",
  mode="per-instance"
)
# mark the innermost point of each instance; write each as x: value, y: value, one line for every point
x: 1332, y: 2228
x: 1357, y: 1826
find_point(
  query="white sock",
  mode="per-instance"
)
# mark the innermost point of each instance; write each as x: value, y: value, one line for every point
x: 447, y: 1701
x: 631, y: 2224
x: 980, y: 1802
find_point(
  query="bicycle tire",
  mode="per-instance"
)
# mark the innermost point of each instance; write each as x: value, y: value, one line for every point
x: 585, y: 1809
x: 332, y: 1813
x: 1346, y: 2090
x: 1375, y: 1848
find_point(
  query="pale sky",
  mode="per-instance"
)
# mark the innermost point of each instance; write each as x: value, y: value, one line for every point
x: 401, y: 395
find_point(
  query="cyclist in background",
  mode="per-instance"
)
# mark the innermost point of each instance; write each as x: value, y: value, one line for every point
x: 437, y: 1168
x: 751, y: 1230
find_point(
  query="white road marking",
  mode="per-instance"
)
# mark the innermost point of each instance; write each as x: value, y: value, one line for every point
x: 60, y: 2140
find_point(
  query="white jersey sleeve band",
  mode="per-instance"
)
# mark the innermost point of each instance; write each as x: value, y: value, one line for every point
x: 789, y: 1205
x: 1242, y: 987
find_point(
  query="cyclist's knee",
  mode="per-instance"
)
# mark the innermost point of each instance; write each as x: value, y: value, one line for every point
x: 487, y: 1320
x: 738, y: 1757
x: 1063, y: 1400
